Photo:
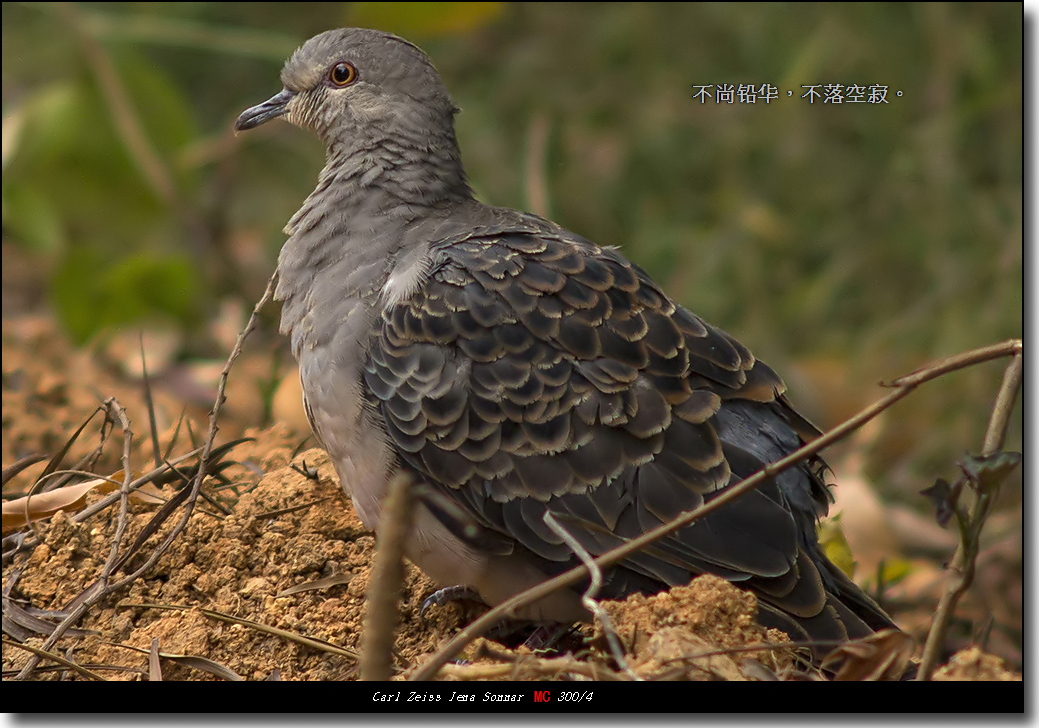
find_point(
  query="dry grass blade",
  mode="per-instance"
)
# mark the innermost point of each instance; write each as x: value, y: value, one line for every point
x: 317, y: 584
x: 300, y: 447
x: 46, y: 655
x: 152, y: 476
x: 169, y: 475
x: 215, y: 474
x: 205, y: 665
x: 18, y: 466
x: 14, y: 629
x: 193, y: 661
x: 290, y: 509
x: 154, y: 524
x: 167, y: 510
x: 259, y: 626
x: 92, y: 666
x: 105, y: 585
x: 20, y: 624
x: 175, y: 436
x: 55, y: 461
x: 153, y: 428
x: 114, y: 413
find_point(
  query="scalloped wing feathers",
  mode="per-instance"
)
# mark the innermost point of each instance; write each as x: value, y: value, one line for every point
x: 535, y: 372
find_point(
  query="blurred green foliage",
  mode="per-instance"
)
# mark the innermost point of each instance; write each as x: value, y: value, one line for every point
x: 872, y: 236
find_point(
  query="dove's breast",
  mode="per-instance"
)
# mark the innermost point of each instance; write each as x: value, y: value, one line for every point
x: 330, y: 375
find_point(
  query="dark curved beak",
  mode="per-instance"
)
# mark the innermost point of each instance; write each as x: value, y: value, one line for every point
x: 272, y: 108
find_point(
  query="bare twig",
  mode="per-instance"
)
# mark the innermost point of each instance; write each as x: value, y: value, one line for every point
x: 963, y: 562
x: 386, y: 580
x: 999, y: 422
x: 124, y: 490
x: 104, y: 586
x: 100, y: 505
x: 588, y: 598
x: 207, y: 449
x: 154, y: 666
x: 103, y: 503
x: 903, y: 387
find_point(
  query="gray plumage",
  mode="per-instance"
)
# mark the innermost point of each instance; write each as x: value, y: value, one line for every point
x: 514, y: 367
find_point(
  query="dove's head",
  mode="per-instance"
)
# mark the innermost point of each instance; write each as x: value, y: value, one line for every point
x: 353, y: 86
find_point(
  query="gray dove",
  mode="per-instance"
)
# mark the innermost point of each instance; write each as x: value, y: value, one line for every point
x: 514, y: 368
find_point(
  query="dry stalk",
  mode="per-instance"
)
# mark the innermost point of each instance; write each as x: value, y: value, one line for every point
x: 386, y: 581
x: 195, y: 486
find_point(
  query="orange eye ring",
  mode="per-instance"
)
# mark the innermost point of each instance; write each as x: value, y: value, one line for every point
x: 342, y: 74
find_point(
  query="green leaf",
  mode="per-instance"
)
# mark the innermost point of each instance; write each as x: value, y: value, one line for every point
x: 835, y: 545
x: 91, y: 294
x: 32, y: 220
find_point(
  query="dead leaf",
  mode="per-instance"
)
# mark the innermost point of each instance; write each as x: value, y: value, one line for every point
x: 881, y: 656
x: 941, y: 496
x: 20, y: 511
x: 37, y: 506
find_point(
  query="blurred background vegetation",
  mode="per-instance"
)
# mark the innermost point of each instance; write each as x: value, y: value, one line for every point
x: 845, y: 244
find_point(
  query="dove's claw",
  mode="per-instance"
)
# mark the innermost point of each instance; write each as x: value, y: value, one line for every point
x: 456, y: 593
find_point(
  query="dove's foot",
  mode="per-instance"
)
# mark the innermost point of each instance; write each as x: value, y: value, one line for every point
x: 447, y: 595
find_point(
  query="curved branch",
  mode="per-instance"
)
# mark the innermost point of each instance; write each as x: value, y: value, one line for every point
x: 963, y: 561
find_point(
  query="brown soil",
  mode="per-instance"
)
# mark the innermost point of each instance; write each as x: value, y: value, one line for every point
x: 277, y: 557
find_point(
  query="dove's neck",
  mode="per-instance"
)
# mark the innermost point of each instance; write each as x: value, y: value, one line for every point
x: 366, y: 220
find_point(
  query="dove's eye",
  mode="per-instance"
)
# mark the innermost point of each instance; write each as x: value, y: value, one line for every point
x: 343, y: 74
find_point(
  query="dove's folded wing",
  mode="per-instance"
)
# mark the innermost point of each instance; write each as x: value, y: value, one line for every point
x: 541, y: 372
